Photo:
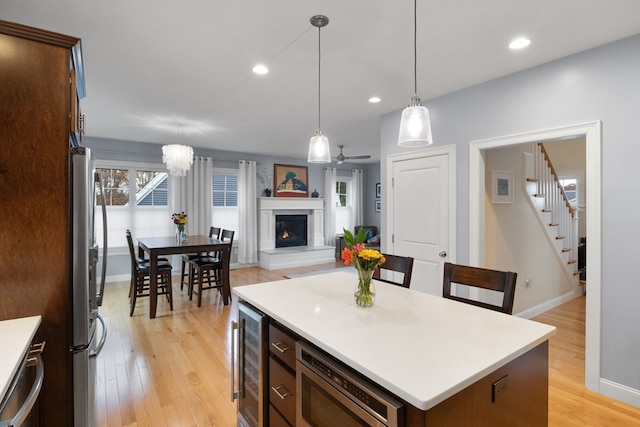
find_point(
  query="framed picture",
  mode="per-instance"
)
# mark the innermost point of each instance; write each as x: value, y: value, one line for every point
x: 378, y: 190
x: 501, y: 186
x: 290, y: 181
x: 378, y: 205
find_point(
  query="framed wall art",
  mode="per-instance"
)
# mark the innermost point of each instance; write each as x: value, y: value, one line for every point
x: 378, y: 205
x: 378, y: 190
x: 501, y: 186
x: 290, y: 181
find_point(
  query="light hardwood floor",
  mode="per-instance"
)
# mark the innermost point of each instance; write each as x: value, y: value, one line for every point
x: 174, y: 370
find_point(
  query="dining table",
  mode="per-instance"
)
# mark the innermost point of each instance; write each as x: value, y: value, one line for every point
x: 157, y: 246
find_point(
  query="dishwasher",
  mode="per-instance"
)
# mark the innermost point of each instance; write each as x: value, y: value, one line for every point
x: 19, y: 406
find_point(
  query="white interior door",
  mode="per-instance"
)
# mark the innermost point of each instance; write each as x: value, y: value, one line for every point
x: 421, y: 216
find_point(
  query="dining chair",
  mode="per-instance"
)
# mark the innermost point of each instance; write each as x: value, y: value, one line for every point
x: 140, y: 274
x: 398, y: 264
x: 214, y: 232
x: 206, y: 272
x: 503, y: 282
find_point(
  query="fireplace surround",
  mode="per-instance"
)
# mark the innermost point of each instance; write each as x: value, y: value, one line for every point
x: 315, y: 252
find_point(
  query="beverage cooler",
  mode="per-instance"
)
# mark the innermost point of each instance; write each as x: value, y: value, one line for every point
x: 248, y: 362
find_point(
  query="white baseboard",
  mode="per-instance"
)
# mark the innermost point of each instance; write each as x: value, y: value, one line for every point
x: 620, y: 392
x: 547, y: 305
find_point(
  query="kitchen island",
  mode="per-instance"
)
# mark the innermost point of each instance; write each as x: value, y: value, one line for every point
x: 448, y: 362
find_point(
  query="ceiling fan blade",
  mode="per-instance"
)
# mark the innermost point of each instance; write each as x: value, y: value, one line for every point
x: 367, y: 156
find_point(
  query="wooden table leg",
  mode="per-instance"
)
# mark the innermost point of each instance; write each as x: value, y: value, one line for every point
x: 153, y: 284
x: 226, y: 283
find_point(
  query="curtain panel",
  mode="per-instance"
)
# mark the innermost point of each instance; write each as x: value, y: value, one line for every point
x: 330, y: 206
x: 247, y: 212
x: 357, y: 196
x: 192, y: 194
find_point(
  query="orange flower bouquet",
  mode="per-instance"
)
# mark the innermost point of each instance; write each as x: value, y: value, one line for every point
x: 365, y: 261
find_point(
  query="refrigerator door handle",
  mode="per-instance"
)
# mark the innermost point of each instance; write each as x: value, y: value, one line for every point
x: 103, y: 338
x: 104, y: 239
x: 25, y: 409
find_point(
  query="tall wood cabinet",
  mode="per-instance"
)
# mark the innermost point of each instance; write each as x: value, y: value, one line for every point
x: 36, y: 105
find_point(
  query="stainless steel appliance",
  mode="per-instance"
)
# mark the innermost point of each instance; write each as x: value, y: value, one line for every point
x: 17, y: 406
x: 252, y: 358
x: 87, y: 297
x: 330, y: 394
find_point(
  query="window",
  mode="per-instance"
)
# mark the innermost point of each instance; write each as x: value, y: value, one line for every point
x: 570, y: 187
x: 225, y: 200
x: 225, y: 190
x: 343, y: 210
x: 140, y: 205
x: 341, y: 192
x: 116, y: 187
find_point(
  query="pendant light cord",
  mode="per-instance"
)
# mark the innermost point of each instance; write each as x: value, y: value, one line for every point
x: 319, y: 54
x: 415, y: 47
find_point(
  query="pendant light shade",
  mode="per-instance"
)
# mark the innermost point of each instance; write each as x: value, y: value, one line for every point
x: 319, y: 151
x: 415, y: 124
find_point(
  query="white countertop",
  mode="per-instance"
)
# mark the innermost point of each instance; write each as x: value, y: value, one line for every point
x: 420, y: 347
x: 15, y: 339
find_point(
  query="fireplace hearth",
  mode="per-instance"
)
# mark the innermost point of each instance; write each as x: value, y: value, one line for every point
x: 291, y: 230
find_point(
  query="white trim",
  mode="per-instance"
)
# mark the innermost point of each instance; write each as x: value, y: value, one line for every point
x: 126, y: 164
x: 592, y: 131
x: 620, y: 392
x: 547, y: 305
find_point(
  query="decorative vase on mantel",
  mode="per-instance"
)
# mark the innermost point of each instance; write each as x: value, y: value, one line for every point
x: 181, y: 233
x: 365, y: 291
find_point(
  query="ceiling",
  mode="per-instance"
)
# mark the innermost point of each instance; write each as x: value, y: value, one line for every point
x: 180, y: 71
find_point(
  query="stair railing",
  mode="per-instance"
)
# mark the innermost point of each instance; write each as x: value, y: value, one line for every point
x: 563, y: 215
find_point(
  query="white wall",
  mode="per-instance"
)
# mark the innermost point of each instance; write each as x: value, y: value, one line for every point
x: 599, y: 84
x: 514, y: 239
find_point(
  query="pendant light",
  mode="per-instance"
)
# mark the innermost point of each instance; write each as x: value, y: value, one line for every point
x: 177, y: 157
x: 319, y: 151
x: 415, y: 125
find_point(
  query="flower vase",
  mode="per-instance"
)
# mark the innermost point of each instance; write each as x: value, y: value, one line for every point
x: 181, y: 233
x: 365, y: 291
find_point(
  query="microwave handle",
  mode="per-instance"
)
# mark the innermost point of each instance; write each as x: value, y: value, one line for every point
x: 25, y: 409
x: 235, y: 328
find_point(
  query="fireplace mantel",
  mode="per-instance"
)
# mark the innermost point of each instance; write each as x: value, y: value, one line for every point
x: 269, y: 207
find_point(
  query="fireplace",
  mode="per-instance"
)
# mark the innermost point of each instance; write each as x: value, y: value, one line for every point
x: 291, y: 230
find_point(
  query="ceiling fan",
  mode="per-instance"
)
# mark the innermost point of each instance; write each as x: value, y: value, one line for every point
x: 341, y: 157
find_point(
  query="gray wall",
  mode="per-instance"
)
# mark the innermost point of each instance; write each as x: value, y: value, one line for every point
x: 599, y: 84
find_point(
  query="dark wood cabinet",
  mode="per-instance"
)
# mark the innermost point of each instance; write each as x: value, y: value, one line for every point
x: 282, y: 376
x: 35, y: 239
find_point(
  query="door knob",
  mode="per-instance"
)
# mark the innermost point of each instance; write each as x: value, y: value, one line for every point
x: 443, y: 254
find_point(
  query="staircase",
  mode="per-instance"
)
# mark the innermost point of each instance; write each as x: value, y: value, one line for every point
x: 555, y: 214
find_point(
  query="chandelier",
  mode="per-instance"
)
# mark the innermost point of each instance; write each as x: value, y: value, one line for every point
x: 178, y: 158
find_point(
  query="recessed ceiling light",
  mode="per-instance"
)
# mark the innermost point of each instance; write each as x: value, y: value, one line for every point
x: 374, y: 99
x: 260, y: 69
x: 519, y: 43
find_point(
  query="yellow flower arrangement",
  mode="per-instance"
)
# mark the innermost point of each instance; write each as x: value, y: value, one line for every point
x: 365, y: 261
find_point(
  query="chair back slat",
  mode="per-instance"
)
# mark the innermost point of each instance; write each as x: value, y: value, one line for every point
x: 399, y: 264
x: 214, y: 232
x: 495, y: 280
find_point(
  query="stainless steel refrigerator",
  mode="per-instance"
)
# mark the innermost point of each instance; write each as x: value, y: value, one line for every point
x: 88, y: 336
